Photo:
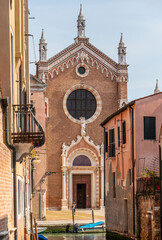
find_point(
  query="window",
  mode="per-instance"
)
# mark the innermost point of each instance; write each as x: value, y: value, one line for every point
x: 118, y: 134
x: 81, y: 70
x: 149, y: 128
x: 111, y: 143
x: 81, y: 103
x: 81, y: 160
x: 114, y: 189
x: 106, y: 140
x: 20, y: 200
x: 12, y: 67
x: 124, y: 132
x: 130, y: 176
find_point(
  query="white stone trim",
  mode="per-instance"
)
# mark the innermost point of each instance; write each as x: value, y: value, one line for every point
x: 82, y: 151
x: 96, y: 95
x: 86, y: 70
x: 93, y: 185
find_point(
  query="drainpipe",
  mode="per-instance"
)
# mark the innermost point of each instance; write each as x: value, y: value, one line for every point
x: 133, y: 169
x: 11, y: 146
x: 160, y: 174
x: 104, y: 162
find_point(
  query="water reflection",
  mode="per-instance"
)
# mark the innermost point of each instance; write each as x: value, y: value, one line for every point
x: 98, y: 236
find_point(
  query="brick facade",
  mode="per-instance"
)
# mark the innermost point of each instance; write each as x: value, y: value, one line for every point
x: 6, y: 192
x: 148, y: 217
x: 107, y: 81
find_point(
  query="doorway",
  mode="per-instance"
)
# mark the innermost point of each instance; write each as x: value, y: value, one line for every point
x: 125, y: 215
x: 81, y: 195
x: 82, y: 191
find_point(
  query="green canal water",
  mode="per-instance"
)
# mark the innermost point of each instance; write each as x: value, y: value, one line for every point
x: 87, y: 236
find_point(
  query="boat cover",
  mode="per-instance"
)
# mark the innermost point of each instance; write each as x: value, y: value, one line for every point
x: 91, y: 225
x: 41, y: 237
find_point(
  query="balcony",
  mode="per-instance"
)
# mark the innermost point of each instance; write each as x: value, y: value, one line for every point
x: 26, y: 128
x: 148, y: 185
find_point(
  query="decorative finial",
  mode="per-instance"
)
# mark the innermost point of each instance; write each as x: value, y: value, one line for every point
x: 42, y: 47
x: 156, y: 90
x: 81, y: 24
x: 43, y: 40
x: 81, y: 11
x: 121, y: 38
x: 122, y: 51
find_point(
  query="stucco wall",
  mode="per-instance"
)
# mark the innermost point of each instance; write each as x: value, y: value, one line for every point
x: 146, y: 151
x: 118, y: 210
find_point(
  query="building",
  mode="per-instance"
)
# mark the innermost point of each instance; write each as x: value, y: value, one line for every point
x: 19, y: 129
x: 131, y: 157
x: 83, y: 85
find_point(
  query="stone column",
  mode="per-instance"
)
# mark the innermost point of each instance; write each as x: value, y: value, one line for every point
x: 102, y: 177
x: 64, y: 204
x: 102, y: 187
x: 64, y: 187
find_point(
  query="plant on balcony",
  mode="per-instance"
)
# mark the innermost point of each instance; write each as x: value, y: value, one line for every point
x: 148, y: 182
x: 147, y: 173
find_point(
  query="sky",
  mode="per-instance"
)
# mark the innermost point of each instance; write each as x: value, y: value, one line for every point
x: 140, y: 21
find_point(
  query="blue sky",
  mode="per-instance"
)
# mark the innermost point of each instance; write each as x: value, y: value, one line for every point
x: 139, y: 20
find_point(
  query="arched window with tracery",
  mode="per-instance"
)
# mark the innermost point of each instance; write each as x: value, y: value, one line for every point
x: 82, y: 160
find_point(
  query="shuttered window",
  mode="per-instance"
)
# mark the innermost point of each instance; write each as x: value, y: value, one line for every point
x: 111, y: 143
x: 106, y: 140
x: 118, y: 136
x: 124, y: 132
x: 149, y: 128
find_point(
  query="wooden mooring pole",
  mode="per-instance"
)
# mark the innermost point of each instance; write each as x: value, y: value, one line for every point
x: 92, y: 216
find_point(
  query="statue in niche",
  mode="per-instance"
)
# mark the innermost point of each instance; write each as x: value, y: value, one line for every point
x: 83, y: 126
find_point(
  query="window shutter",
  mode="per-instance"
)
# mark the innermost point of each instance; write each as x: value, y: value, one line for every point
x: 124, y: 132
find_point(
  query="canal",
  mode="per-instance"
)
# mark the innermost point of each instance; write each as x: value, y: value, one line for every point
x: 88, y: 236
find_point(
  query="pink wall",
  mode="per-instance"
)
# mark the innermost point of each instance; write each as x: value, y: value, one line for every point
x: 146, y: 151
x: 122, y: 161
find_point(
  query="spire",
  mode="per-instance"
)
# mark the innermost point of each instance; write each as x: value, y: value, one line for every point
x: 122, y: 51
x: 81, y: 24
x: 156, y: 90
x: 121, y: 44
x: 42, y: 36
x: 81, y: 12
x: 42, y: 48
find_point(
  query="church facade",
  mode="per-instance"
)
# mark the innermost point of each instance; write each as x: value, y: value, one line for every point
x: 82, y: 86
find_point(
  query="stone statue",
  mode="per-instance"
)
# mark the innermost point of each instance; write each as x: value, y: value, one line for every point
x: 83, y: 126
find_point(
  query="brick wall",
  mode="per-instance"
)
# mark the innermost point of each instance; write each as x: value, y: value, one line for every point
x: 6, y: 199
x: 148, y: 217
x: 60, y: 129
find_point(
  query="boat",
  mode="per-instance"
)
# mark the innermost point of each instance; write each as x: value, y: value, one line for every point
x: 41, y: 237
x: 92, y: 227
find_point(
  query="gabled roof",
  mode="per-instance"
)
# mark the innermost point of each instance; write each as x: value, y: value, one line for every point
x: 84, y: 51
x: 125, y: 107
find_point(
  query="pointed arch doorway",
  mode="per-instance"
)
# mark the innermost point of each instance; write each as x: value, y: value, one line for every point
x: 82, y: 183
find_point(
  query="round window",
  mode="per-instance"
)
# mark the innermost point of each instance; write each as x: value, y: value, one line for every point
x: 81, y: 103
x: 81, y: 70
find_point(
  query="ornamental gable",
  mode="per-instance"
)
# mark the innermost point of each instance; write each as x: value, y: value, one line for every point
x: 83, y: 52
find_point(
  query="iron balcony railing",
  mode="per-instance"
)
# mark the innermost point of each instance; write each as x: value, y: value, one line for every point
x: 26, y: 128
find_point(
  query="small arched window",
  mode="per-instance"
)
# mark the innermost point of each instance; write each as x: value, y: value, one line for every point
x: 81, y: 160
